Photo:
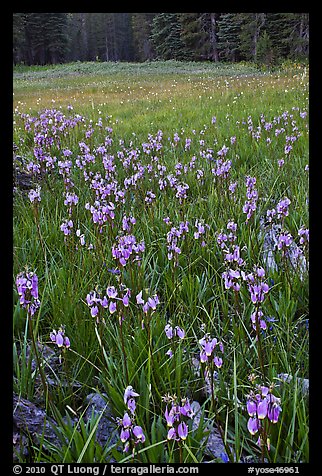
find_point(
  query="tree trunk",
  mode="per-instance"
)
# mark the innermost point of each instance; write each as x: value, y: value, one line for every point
x: 259, y: 23
x: 213, y: 38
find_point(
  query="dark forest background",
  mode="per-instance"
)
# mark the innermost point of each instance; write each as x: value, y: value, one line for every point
x: 50, y: 38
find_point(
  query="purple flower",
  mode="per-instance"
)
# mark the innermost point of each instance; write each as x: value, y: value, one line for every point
x: 27, y: 287
x: 224, y: 457
x: 251, y: 407
x: 129, y: 398
x: 304, y: 234
x: 124, y: 435
x: 126, y: 421
x: 129, y: 392
x: 218, y: 361
x: 139, y: 299
x: 273, y: 412
x: 262, y: 408
x: 34, y: 195
x: 180, y: 332
x: 94, y: 311
x: 207, y: 354
x: 138, y: 433
x: 66, y: 227
x: 169, y: 417
x: 130, y: 434
x: 172, y: 435
x: 168, y: 331
x: 282, y: 207
x: 182, y: 430
x: 151, y: 303
x: 112, y: 307
x: 176, y: 418
x: 59, y: 338
x: 253, y: 425
x: 284, y: 240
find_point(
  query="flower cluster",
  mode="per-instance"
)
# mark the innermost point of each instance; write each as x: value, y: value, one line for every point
x: 151, y: 303
x: 131, y: 434
x: 34, y: 194
x: 233, y: 259
x: 177, y: 416
x: 256, y: 285
x: 173, y: 237
x: 108, y: 301
x: 282, y: 208
x: 173, y: 333
x: 207, y: 352
x: 222, y: 167
x: 285, y: 239
x: 252, y: 196
x: 261, y: 405
x: 150, y: 196
x: 27, y: 287
x: 127, y: 222
x: 281, y: 211
x: 127, y: 248
x: 222, y: 237
x: 71, y: 200
x: 66, y: 227
x: 101, y: 213
x: 59, y: 338
x: 201, y: 231
x: 304, y: 234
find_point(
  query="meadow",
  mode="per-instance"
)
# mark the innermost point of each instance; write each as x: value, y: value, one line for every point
x: 161, y: 253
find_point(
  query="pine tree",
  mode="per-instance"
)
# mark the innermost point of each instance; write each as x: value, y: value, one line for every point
x: 141, y: 31
x: 18, y: 37
x: 229, y: 29
x: 193, y: 35
x: 299, y: 35
x: 36, y: 37
x: 56, y: 37
x: 166, y: 37
x: 252, y: 25
x: 77, y: 37
x: 278, y: 27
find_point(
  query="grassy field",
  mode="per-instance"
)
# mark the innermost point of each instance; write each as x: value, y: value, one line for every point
x: 170, y: 241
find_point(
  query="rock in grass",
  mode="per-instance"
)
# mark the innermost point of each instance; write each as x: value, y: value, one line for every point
x: 31, y: 424
x: 106, y: 428
x: 215, y: 447
x: 302, y: 383
x: 270, y: 233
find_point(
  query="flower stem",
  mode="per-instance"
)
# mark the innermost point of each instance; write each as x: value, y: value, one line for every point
x: 41, y: 371
x: 123, y: 351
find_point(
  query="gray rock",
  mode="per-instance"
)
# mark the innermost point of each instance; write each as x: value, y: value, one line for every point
x: 51, y: 365
x: 302, y: 383
x: 215, y: 446
x: 30, y: 424
x: 106, y: 428
x: 270, y: 233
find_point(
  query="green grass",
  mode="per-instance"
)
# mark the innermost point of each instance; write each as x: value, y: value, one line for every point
x: 136, y: 100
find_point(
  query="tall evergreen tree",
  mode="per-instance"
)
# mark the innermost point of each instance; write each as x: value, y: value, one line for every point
x: 279, y: 27
x: 56, y: 37
x: 166, y: 36
x: 77, y: 37
x: 141, y: 31
x: 193, y: 35
x: 252, y: 25
x: 18, y: 37
x: 229, y: 29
